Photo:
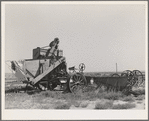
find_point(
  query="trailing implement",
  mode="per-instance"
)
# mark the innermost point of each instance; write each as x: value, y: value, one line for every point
x: 119, y: 82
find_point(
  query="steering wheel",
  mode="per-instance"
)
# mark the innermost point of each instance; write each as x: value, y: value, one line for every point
x: 82, y: 67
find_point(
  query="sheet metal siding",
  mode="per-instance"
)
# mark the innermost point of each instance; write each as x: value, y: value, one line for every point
x: 36, y: 67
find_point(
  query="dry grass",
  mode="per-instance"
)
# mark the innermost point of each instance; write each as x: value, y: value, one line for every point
x: 84, y: 104
x: 128, y: 99
x: 140, y: 97
x: 18, y: 101
x: 45, y: 99
x: 91, y: 95
x: 139, y: 102
x: 140, y: 91
x: 48, y: 99
x: 62, y: 105
x: 124, y: 106
x: 90, y: 88
x: 104, y: 105
x: 113, y: 95
x: 74, y: 102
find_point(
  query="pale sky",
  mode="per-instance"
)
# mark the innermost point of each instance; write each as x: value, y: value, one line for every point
x: 98, y: 35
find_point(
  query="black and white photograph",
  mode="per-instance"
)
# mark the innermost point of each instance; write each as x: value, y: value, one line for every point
x: 74, y: 60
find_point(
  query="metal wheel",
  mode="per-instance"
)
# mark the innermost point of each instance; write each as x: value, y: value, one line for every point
x: 138, y: 77
x: 128, y: 74
x: 77, y: 83
x: 82, y: 67
x: 115, y: 75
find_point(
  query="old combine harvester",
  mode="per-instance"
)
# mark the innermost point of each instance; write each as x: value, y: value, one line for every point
x: 48, y: 69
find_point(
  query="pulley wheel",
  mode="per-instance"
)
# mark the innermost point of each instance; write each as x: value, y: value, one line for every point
x: 82, y: 67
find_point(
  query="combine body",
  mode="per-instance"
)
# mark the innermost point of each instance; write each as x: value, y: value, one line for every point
x: 48, y: 69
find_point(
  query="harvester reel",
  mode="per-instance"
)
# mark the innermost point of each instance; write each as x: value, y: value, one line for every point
x: 115, y: 75
x: 128, y: 74
x: 138, y: 77
x: 77, y: 83
x: 82, y: 67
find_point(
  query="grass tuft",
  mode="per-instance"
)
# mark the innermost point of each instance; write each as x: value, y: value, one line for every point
x: 62, y: 106
x: 106, y: 105
x: 139, y: 102
x: 84, y: 104
x: 113, y: 95
x: 140, y: 97
x: 128, y: 99
x: 90, y: 88
x: 124, y: 106
x: 74, y: 102
x: 140, y: 91
x: 92, y: 95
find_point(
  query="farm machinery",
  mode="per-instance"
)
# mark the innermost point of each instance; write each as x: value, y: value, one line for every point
x: 123, y: 82
x: 47, y: 70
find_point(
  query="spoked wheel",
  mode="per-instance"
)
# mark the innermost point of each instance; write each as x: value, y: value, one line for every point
x: 115, y: 75
x: 77, y: 83
x: 128, y: 74
x: 138, y: 77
